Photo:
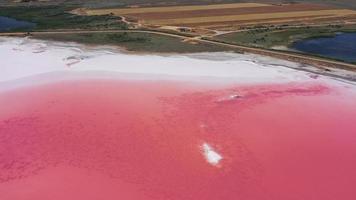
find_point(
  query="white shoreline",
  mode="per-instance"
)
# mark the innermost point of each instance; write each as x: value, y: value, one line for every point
x: 24, y: 59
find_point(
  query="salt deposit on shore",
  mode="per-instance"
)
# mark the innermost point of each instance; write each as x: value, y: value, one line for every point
x: 22, y: 57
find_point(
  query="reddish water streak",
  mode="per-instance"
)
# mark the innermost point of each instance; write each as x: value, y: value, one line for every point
x: 142, y: 140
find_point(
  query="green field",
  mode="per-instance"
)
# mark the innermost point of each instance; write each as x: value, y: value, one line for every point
x: 139, y: 42
x: 58, y: 17
x: 272, y: 37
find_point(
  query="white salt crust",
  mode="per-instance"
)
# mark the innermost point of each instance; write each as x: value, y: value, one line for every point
x: 23, y: 57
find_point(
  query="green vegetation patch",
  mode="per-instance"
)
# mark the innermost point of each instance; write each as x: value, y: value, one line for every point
x: 141, y: 42
x: 59, y: 17
x: 270, y: 37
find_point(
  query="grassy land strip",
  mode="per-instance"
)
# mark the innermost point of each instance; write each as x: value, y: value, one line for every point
x: 270, y: 37
x: 140, y: 42
x: 58, y: 17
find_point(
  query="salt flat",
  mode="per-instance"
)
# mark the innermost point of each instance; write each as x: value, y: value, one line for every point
x: 23, y: 57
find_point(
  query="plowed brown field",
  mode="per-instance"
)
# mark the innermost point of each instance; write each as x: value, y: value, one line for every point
x: 228, y: 14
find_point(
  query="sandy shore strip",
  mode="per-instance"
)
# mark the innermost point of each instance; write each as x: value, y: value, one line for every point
x: 23, y: 58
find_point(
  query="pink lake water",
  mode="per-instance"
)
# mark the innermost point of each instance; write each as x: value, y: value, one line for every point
x: 143, y: 140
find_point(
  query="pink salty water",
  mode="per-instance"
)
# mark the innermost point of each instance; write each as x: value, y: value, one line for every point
x: 140, y: 140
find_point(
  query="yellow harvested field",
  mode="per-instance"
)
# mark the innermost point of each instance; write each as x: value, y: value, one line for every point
x: 125, y: 11
x: 268, y: 21
x: 259, y: 16
x: 228, y: 15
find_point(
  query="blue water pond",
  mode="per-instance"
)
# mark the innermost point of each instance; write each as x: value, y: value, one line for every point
x: 7, y: 24
x: 342, y: 46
